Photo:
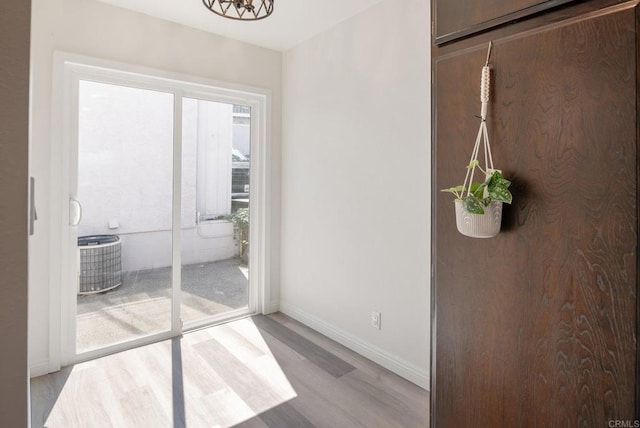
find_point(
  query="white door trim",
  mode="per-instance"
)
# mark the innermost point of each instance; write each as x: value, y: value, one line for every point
x: 68, y: 69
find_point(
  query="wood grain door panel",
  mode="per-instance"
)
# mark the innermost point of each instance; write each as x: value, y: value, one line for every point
x: 459, y: 18
x: 538, y: 326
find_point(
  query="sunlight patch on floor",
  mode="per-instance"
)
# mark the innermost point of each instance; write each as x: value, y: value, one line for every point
x: 228, y: 371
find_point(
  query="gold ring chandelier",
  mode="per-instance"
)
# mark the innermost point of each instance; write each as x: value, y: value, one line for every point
x: 241, y: 10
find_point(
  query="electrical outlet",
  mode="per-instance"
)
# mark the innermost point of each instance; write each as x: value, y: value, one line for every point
x: 376, y: 319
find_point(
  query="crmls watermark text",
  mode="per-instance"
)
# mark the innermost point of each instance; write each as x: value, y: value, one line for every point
x: 624, y: 424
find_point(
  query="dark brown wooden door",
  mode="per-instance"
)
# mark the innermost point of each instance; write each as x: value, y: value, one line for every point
x: 458, y: 18
x: 538, y: 326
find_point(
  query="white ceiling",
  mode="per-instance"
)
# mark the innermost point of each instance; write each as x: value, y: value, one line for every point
x: 292, y: 22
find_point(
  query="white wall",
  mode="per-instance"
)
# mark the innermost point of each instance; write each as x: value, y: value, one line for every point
x: 125, y: 159
x: 95, y: 29
x: 356, y: 184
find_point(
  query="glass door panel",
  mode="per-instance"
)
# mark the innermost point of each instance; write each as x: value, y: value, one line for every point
x: 215, y: 209
x: 124, y: 188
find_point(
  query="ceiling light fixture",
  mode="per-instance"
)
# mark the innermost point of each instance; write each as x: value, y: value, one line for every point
x: 241, y: 10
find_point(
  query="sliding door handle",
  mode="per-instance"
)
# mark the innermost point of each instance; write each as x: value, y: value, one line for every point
x: 33, y: 215
x: 75, y: 212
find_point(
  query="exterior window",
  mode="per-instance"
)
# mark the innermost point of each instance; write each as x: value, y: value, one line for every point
x: 237, y: 109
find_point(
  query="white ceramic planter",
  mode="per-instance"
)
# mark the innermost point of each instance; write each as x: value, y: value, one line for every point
x: 485, y: 225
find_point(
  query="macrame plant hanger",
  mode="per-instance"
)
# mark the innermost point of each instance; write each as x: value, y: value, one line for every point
x: 483, y: 134
x: 485, y: 225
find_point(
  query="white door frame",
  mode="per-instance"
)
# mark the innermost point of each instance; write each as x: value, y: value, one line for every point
x: 68, y: 70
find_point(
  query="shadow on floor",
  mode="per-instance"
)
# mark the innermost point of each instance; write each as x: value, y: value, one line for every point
x: 142, y: 304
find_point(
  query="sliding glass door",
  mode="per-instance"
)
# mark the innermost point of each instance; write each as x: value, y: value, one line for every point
x: 160, y: 187
x: 216, y: 170
x: 124, y: 235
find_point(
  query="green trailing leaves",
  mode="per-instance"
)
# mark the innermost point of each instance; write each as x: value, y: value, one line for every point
x: 474, y: 163
x: 477, y: 190
x: 473, y: 205
x: 500, y: 194
x: 455, y: 190
x: 496, y: 186
x: 503, y: 183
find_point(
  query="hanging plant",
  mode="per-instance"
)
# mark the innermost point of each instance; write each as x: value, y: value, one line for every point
x: 480, y: 195
x: 479, y: 204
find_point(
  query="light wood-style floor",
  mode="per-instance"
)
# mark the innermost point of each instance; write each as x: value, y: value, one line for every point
x: 264, y: 371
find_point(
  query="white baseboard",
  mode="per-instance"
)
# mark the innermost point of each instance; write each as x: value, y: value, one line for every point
x: 387, y: 360
x: 39, y: 368
x: 272, y: 308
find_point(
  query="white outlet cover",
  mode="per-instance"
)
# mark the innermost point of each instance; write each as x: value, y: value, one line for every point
x: 376, y: 319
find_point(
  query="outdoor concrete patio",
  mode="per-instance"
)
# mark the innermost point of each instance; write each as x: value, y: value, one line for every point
x: 142, y: 304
